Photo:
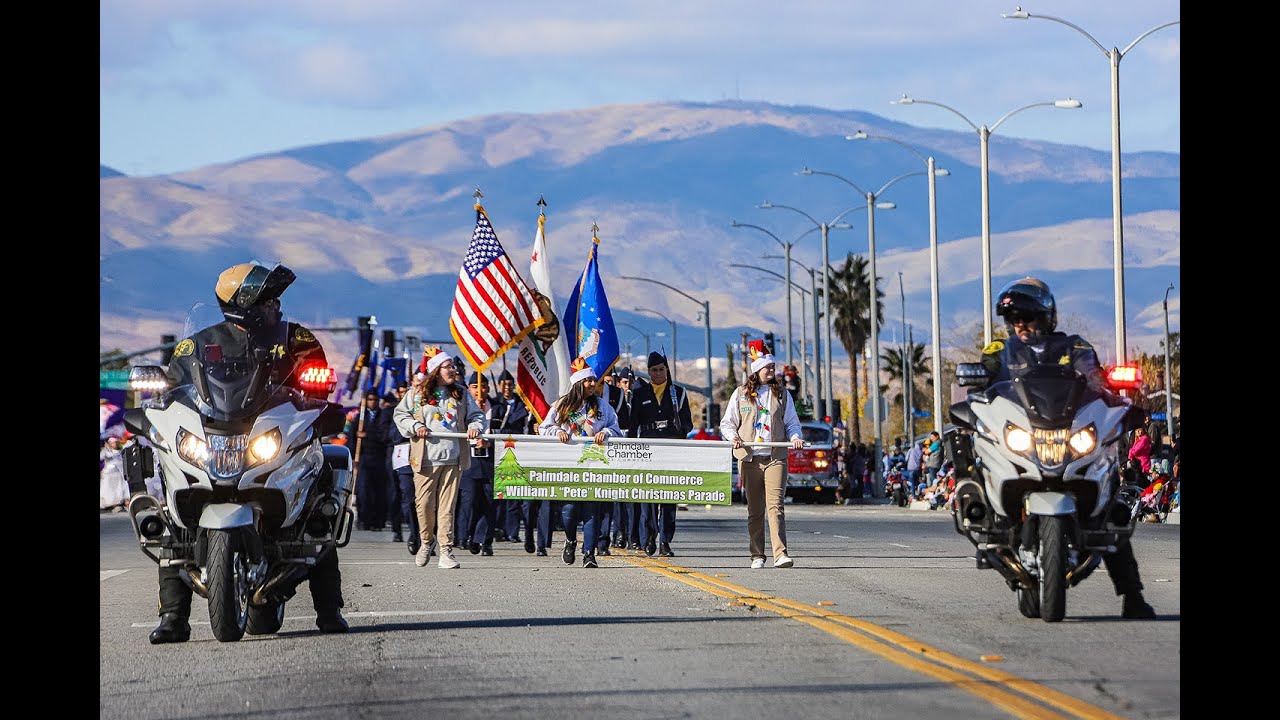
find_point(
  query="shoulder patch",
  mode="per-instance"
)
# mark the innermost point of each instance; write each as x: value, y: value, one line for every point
x: 184, y: 348
x: 1064, y: 360
x: 303, y: 335
x: 993, y: 347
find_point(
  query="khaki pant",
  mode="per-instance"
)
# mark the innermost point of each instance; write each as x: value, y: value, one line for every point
x: 764, y: 484
x: 435, y: 494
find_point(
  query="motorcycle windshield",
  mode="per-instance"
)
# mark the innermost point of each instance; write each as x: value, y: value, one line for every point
x: 1049, y: 394
x: 229, y: 372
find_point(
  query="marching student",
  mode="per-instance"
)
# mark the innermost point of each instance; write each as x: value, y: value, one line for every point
x: 581, y: 411
x: 661, y: 410
x: 761, y: 410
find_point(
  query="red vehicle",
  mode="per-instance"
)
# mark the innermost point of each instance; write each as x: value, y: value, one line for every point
x: 811, y: 472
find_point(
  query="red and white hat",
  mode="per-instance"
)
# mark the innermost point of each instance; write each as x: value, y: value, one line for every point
x: 759, y: 357
x: 580, y: 370
x: 432, y: 358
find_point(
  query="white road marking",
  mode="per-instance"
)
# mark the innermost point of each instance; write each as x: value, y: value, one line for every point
x: 372, y: 614
x: 104, y: 574
x: 900, y: 545
x: 843, y: 537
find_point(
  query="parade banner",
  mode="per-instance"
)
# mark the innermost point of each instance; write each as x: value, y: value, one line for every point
x: 626, y: 471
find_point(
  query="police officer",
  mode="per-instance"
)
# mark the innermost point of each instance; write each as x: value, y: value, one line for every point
x: 249, y: 297
x: 661, y: 409
x: 476, y: 511
x: 1031, y: 317
x: 626, y: 515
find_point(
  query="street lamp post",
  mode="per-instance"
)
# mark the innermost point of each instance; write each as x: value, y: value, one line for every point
x: 674, y: 355
x: 906, y: 365
x: 645, y: 334
x: 1168, y: 378
x: 706, y: 318
x: 828, y: 388
x: 786, y: 250
x: 984, y: 135
x: 935, y: 312
x: 873, y: 393
x: 797, y: 287
x: 1117, y: 232
x: 815, y: 389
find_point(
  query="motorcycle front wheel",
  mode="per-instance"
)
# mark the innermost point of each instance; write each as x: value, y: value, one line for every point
x: 1053, y: 568
x: 228, y: 587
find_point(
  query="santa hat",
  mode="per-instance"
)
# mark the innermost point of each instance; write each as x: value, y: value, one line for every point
x: 432, y: 358
x: 580, y: 370
x: 759, y: 356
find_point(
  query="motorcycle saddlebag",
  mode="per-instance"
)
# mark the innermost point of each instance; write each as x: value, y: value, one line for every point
x: 139, y: 464
x: 959, y: 449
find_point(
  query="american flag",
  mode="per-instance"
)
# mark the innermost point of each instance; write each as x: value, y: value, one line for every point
x: 492, y: 306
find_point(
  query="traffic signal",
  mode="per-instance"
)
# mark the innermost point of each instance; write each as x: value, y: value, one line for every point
x: 1124, y: 377
x: 768, y: 343
x: 166, y: 353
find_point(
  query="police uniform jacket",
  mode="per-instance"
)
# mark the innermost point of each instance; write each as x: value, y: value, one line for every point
x: 286, y: 345
x: 650, y: 411
x: 1012, y: 358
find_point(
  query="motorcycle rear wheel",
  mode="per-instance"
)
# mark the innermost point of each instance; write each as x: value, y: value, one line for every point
x: 265, y: 619
x: 228, y: 587
x: 1053, y: 568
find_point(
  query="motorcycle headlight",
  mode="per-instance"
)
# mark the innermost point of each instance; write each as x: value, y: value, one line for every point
x: 1017, y: 439
x: 1083, y: 442
x: 192, y: 448
x: 265, y: 447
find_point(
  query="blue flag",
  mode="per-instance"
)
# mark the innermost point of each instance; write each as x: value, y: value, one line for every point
x: 588, y: 324
x: 395, y: 372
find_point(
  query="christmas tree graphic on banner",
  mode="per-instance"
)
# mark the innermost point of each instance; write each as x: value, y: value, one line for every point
x: 508, y: 471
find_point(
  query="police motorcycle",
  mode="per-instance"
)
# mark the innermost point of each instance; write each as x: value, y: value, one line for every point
x: 1038, y: 489
x: 252, y: 495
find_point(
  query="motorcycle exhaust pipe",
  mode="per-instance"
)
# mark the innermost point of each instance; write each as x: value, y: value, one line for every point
x: 287, y: 574
x: 150, y: 525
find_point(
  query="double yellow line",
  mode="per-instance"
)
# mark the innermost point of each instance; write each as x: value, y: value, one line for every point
x: 1019, y: 697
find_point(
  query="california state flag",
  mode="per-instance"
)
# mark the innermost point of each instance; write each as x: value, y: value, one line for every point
x: 543, y: 368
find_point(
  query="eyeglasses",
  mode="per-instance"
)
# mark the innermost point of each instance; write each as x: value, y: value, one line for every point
x: 1021, y: 318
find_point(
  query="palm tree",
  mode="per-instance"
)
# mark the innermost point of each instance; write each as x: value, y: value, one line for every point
x: 850, y: 289
x: 893, y: 365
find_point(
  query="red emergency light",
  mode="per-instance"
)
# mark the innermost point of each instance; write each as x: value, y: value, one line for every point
x: 318, y: 380
x: 1124, y: 377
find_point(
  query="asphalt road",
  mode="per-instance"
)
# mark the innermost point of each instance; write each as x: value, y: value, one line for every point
x: 883, y: 616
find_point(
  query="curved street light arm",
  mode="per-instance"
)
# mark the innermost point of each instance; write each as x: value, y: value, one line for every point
x: 768, y: 205
x: 1011, y: 113
x: 763, y: 270
x: 1135, y: 40
x: 655, y: 312
x: 884, y: 187
x: 793, y: 262
x: 776, y: 239
x: 845, y: 180
x: 860, y: 135
x: 655, y: 282
x: 905, y: 100
x: 1019, y: 14
x: 835, y: 223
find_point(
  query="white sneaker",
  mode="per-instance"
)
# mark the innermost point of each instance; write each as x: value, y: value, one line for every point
x: 424, y: 554
x: 446, y: 559
x: 783, y: 562
x: 757, y: 563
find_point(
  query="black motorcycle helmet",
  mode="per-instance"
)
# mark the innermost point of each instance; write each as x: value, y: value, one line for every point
x: 1028, y: 297
x: 244, y: 292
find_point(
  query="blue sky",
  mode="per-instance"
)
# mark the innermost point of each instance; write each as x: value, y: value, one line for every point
x: 187, y: 84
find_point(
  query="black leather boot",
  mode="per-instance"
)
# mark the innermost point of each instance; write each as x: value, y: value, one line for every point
x: 173, y: 628
x: 1136, y: 607
x: 331, y: 621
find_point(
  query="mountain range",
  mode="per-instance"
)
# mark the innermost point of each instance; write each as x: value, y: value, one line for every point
x: 378, y: 226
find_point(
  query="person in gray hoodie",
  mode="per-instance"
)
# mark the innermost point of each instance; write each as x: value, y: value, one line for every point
x: 437, y: 403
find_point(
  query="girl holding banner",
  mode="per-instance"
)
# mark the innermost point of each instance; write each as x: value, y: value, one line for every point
x: 581, y: 412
